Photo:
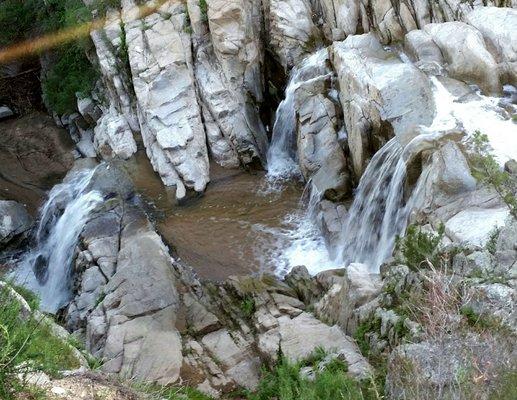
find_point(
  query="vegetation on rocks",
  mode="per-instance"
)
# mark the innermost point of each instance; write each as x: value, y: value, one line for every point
x: 69, y: 71
x: 486, y: 169
x: 27, y: 345
x: 418, y: 247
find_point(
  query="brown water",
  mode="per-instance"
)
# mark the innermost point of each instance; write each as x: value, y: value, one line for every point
x: 234, y: 229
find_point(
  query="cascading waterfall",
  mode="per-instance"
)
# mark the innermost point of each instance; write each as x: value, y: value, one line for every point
x: 281, y: 157
x: 47, y: 269
x: 378, y: 212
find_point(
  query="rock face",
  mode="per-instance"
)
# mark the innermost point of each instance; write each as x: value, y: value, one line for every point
x: 14, y: 221
x: 371, y: 82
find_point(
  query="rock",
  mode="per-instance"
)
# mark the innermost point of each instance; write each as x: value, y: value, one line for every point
x: 475, y: 225
x: 342, y: 18
x: 234, y: 357
x: 421, y: 47
x: 300, y: 336
x: 113, y: 137
x: 5, y: 112
x: 495, y: 302
x: 511, y: 167
x: 14, y: 221
x: 159, y: 48
x: 292, y: 33
x: 88, y: 109
x: 497, y: 27
x: 111, y: 180
x: 381, y: 96
x: 86, y: 148
x: 429, y: 370
x: 359, y: 287
x: 331, y: 218
x: 139, y: 335
x: 465, y: 54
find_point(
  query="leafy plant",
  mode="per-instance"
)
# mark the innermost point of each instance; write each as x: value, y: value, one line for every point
x: 417, y: 247
x: 486, y: 169
x: 247, y: 306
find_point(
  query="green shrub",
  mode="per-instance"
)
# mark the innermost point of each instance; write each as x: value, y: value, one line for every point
x: 285, y: 382
x: 203, y: 6
x: 417, y: 247
x: 17, y: 20
x: 25, y: 346
x: 486, y: 169
x: 247, y: 306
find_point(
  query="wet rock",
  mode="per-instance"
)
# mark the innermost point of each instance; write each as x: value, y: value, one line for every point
x: 381, y: 96
x: 421, y: 47
x: 88, y: 109
x: 15, y: 221
x: 111, y: 181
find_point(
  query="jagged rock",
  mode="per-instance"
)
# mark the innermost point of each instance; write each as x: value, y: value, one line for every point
x: 342, y: 18
x: 359, y: 287
x: 301, y: 335
x: 234, y: 357
x: 159, y: 49
x: 381, y: 96
x: 430, y: 369
x: 320, y: 155
x: 14, y: 221
x: 495, y: 302
x: 136, y: 323
x: 497, y: 25
x: 88, y: 109
x: 114, y: 137
x: 292, y: 33
x: 465, y: 54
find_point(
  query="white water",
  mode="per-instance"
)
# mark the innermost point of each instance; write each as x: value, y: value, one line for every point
x: 281, y: 157
x: 483, y: 114
x: 47, y: 268
x: 378, y: 212
x: 297, y: 242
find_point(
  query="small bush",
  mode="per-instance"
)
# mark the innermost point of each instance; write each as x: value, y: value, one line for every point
x: 26, y: 346
x: 418, y: 247
x: 486, y: 169
x: 203, y: 6
x: 285, y: 382
x: 247, y: 306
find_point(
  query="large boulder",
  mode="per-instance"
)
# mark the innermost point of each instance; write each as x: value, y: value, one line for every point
x: 14, y: 221
x: 381, y: 96
x: 497, y: 25
x: 466, y: 55
x: 292, y: 33
x: 113, y: 137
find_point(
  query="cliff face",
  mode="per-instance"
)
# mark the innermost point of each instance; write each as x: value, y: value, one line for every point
x: 192, y: 77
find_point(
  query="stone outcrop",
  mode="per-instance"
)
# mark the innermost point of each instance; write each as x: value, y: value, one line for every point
x: 14, y: 221
x: 381, y: 96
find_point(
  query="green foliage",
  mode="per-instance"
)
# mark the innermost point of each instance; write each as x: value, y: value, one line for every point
x: 102, y: 6
x: 171, y: 393
x: 486, y: 169
x: 25, y: 346
x: 247, y: 306
x: 203, y: 6
x: 506, y: 388
x: 286, y: 383
x: 17, y: 20
x: 30, y: 297
x: 71, y: 73
x: 372, y: 325
x: 417, y: 247
x: 491, y: 244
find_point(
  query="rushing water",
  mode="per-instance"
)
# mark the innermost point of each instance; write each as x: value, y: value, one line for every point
x: 47, y: 269
x: 281, y: 157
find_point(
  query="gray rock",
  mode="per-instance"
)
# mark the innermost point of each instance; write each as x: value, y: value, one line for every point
x: 14, y: 221
x: 111, y: 180
x: 5, y: 112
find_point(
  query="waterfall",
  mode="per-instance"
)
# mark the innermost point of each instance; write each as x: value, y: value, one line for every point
x: 281, y: 156
x: 378, y: 212
x: 47, y: 268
